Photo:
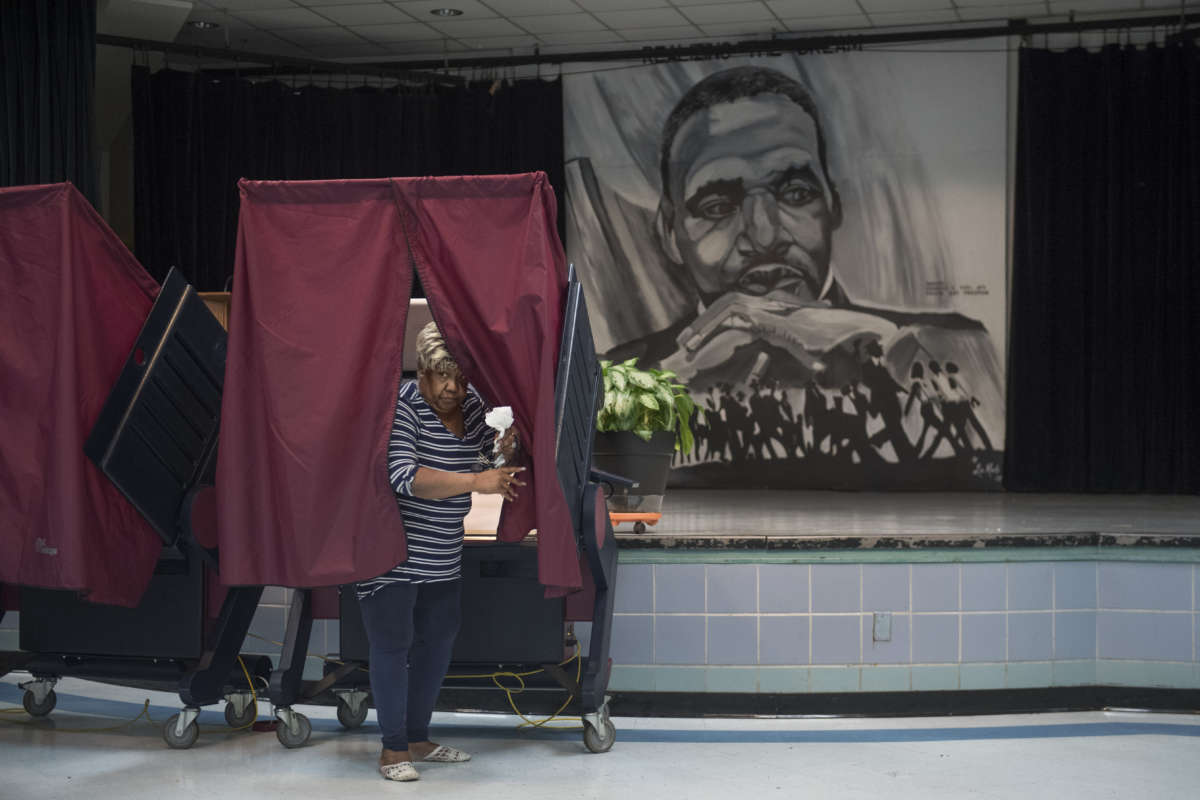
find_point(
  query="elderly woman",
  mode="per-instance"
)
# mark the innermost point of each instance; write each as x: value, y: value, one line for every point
x: 411, y: 613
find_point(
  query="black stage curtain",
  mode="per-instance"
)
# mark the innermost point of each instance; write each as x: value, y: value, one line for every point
x: 196, y: 134
x: 1104, y: 378
x: 48, y: 72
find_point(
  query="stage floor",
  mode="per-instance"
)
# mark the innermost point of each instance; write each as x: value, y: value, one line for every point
x: 786, y: 513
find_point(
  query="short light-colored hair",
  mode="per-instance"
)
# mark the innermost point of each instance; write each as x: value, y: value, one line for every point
x: 432, y: 352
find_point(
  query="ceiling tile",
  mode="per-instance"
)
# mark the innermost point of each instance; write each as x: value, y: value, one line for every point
x: 406, y: 32
x: 282, y: 18
x: 929, y: 17
x: 317, y: 3
x: 254, y: 41
x: 1067, y: 6
x: 476, y: 27
x: 560, y: 38
x: 799, y: 9
x: 500, y: 42
x: 727, y: 12
x: 208, y: 15
x: 642, y: 18
x: 560, y: 23
x: 838, y: 23
x: 1025, y: 11
x: 362, y: 49
x: 306, y: 37
x: 619, y: 5
x: 566, y: 69
x: 420, y: 9
x: 669, y: 33
x: 890, y: 6
x: 755, y: 28
x: 528, y: 8
x: 423, y: 49
x: 247, y: 5
x: 363, y: 14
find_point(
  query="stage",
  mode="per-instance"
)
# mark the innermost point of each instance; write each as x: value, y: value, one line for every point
x: 772, y: 518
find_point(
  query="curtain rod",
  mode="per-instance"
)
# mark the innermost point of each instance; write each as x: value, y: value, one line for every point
x: 804, y: 44
x: 399, y: 72
x: 429, y: 70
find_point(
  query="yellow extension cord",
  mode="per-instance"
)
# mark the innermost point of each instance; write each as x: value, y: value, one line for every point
x: 495, y: 677
x: 145, y: 712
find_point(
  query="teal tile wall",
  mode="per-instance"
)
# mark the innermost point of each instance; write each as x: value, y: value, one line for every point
x: 811, y: 626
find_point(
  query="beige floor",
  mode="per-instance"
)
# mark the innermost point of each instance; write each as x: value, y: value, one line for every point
x: 83, y: 750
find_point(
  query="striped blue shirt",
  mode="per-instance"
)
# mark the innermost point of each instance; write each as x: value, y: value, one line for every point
x: 434, y: 527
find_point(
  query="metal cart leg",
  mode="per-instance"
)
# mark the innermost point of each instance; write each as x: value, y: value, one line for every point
x: 205, y: 685
x: 288, y: 678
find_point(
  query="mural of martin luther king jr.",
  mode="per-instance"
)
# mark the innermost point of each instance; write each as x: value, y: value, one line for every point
x: 747, y: 211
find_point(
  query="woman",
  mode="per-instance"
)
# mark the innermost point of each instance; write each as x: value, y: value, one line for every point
x: 411, y: 613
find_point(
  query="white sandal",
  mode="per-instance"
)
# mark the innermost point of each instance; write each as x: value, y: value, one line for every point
x: 400, y: 771
x: 447, y: 755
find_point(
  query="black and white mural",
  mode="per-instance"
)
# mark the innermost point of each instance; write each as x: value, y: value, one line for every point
x: 816, y: 246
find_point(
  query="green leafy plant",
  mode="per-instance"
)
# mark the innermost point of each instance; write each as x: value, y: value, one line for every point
x: 643, y: 401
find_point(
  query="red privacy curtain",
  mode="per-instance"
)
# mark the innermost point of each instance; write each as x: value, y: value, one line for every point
x: 321, y: 290
x: 72, y: 301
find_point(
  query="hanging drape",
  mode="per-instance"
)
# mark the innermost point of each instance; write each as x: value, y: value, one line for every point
x: 197, y: 134
x: 72, y: 301
x: 1104, y: 378
x: 47, y: 77
x: 315, y: 340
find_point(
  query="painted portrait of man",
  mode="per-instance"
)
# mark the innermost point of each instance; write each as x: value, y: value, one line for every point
x: 745, y: 224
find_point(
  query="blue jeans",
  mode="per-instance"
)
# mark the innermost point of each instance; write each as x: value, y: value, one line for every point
x: 411, y: 629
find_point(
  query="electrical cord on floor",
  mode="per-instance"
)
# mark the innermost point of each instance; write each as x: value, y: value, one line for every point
x: 520, y: 677
x: 145, y: 712
x: 253, y: 695
x: 495, y: 678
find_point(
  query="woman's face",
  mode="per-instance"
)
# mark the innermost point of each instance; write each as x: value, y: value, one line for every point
x: 443, y: 390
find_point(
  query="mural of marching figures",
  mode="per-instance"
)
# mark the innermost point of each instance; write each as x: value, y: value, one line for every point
x: 815, y: 245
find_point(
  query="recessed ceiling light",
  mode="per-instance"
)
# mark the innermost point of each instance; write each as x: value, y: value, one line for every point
x: 203, y: 25
x: 446, y: 12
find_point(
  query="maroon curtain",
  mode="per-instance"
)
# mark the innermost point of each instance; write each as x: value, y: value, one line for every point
x: 494, y: 273
x: 72, y: 301
x: 321, y: 290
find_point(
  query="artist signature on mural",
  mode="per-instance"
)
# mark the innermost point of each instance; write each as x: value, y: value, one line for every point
x: 986, y: 467
x: 944, y: 289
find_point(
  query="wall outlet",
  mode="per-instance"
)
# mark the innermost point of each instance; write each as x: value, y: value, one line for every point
x: 881, y: 628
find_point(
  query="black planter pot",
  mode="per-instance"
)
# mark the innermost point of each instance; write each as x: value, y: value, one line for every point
x: 648, y: 463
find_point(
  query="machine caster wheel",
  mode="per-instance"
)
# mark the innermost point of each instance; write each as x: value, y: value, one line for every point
x: 243, y: 720
x: 639, y: 527
x: 292, y: 739
x: 599, y: 741
x: 180, y: 741
x: 36, y: 709
x: 351, y: 719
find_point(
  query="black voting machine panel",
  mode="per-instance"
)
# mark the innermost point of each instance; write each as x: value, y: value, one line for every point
x: 507, y: 621
x: 156, y: 439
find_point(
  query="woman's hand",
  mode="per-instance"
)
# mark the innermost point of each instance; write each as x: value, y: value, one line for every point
x: 502, y: 481
x: 506, y: 445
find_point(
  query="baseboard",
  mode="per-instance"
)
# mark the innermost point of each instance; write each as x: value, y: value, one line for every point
x: 857, y: 704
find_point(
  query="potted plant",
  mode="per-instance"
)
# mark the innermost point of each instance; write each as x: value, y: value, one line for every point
x: 646, y: 417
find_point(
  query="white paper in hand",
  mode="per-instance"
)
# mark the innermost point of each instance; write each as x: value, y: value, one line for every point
x: 501, y: 419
